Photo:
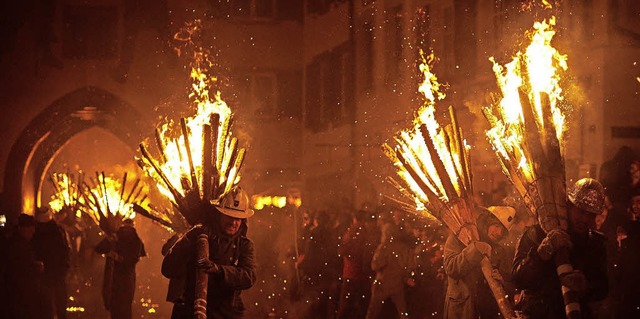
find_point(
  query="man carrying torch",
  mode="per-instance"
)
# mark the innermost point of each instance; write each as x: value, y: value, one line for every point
x: 468, y: 294
x: 229, y: 267
x: 534, y: 270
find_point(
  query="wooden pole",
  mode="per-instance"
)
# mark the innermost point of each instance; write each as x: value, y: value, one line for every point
x: 202, y: 279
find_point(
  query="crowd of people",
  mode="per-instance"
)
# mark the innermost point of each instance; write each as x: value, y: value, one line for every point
x: 372, y: 263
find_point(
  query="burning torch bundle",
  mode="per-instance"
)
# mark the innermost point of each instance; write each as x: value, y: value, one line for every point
x: 433, y: 165
x: 108, y: 202
x: 526, y: 134
x: 198, y: 159
x: 67, y: 192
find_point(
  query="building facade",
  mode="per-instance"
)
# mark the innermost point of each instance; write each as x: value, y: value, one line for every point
x: 317, y: 85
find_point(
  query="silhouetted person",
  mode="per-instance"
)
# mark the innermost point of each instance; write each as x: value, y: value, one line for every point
x: 616, y: 178
x: 534, y: 269
x: 51, y: 247
x: 425, y: 299
x: 175, y: 291
x: 628, y: 260
x: 393, y: 261
x: 319, y: 268
x: 23, y: 272
x: 356, y: 254
x: 231, y: 265
x: 125, y: 249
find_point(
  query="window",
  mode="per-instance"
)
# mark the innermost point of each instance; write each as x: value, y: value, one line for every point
x: 329, y: 87
x: 90, y: 32
x: 254, y: 9
x: 393, y: 50
x: 320, y: 6
x: 449, y: 57
x: 367, y: 55
x: 257, y: 92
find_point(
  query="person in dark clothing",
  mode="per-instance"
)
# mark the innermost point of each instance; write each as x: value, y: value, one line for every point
x: 123, y: 250
x: 393, y: 261
x: 534, y: 270
x: 231, y: 265
x: 319, y: 267
x: 628, y: 260
x: 468, y: 294
x: 357, y: 251
x: 425, y: 299
x: 23, y: 272
x: 175, y: 291
x: 51, y: 247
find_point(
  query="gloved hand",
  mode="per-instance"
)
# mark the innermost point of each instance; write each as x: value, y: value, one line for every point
x: 483, y: 247
x: 495, y: 274
x: 555, y: 240
x: 575, y: 281
x: 208, y: 266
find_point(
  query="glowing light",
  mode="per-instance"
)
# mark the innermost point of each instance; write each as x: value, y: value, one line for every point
x: 535, y: 72
x: 430, y: 158
x: 199, y: 156
x: 260, y: 202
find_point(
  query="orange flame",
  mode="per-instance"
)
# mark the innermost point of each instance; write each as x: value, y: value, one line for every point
x: 183, y: 152
x: 66, y: 192
x: 535, y: 72
x: 413, y: 160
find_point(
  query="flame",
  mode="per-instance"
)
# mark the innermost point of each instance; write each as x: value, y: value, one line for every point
x: 416, y: 164
x: 177, y: 167
x: 260, y: 202
x: 66, y: 192
x: 108, y: 201
x: 536, y: 72
x: 183, y: 148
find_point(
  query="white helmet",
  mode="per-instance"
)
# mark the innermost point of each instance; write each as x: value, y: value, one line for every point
x: 505, y: 214
x: 235, y: 204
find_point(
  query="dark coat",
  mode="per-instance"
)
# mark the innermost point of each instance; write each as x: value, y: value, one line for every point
x: 627, y: 275
x: 23, y: 279
x: 129, y: 248
x: 468, y: 294
x: 51, y: 247
x: 538, y: 278
x: 235, y: 257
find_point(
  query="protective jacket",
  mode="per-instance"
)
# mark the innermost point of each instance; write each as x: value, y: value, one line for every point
x: 542, y: 296
x: 235, y: 257
x: 468, y: 294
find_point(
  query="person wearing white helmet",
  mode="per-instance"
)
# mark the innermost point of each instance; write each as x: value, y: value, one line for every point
x: 231, y: 265
x: 468, y: 295
x: 534, y: 271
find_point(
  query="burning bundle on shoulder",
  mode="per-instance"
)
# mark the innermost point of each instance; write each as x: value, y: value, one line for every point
x: 198, y: 159
x: 433, y: 165
x: 109, y: 201
x: 527, y: 130
x: 67, y: 195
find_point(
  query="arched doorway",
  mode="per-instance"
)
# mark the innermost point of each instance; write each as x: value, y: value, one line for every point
x: 48, y: 132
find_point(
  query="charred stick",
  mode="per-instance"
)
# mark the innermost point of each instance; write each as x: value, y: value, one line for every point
x: 437, y: 163
x: 176, y: 195
x: 207, y: 149
x: 187, y: 144
x: 161, y: 146
x: 202, y: 279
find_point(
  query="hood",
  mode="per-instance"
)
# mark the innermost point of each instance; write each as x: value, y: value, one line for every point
x: 486, y: 219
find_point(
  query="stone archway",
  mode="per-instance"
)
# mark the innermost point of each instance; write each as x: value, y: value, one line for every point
x: 48, y: 132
